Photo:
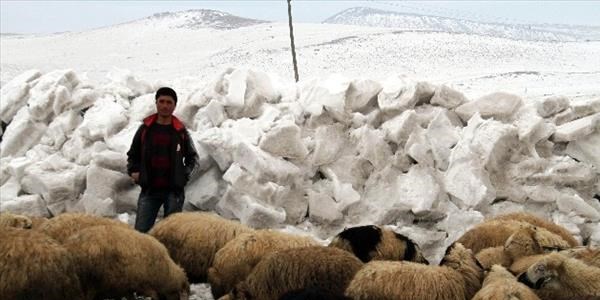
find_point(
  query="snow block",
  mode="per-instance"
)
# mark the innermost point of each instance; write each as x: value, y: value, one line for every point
x: 448, y: 97
x: 499, y: 105
x: 550, y: 106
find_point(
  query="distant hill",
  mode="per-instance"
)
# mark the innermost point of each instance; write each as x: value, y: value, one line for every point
x: 364, y: 16
x: 199, y: 18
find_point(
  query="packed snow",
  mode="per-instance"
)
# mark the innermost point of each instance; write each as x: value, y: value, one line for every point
x: 428, y: 133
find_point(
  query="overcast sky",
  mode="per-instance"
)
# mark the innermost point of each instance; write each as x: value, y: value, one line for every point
x: 58, y: 16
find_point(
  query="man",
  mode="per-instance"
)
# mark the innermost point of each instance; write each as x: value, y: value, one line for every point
x: 160, y: 160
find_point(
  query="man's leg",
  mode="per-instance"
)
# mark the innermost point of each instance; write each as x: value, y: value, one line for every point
x: 174, y: 202
x: 147, y: 209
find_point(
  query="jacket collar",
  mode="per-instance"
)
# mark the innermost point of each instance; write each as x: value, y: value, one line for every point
x: 177, y: 124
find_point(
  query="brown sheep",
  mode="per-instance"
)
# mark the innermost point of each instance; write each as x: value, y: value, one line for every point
x: 520, y: 244
x: 539, y: 222
x: 323, y: 268
x: 193, y: 239
x: 494, y: 233
x: 522, y: 264
x: 374, y: 243
x: 589, y: 255
x: 499, y: 284
x: 8, y: 219
x: 34, y: 266
x: 238, y: 257
x: 37, y: 222
x: 458, y: 277
x: 65, y: 225
x: 116, y: 262
x: 557, y: 276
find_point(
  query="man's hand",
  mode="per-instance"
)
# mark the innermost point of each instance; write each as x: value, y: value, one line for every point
x: 135, y: 176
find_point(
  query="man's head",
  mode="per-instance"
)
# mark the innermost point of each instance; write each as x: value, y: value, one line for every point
x: 166, y: 99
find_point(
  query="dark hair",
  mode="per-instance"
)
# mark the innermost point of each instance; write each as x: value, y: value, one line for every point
x: 166, y: 91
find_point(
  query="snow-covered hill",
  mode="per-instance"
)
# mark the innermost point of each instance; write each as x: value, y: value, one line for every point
x: 365, y: 16
x: 165, y: 47
x: 198, y: 18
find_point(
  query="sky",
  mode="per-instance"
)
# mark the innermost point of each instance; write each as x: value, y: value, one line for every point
x: 58, y: 16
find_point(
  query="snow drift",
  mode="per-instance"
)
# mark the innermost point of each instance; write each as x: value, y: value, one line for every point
x: 317, y: 155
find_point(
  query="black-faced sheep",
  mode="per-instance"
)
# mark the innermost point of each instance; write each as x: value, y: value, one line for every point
x: 114, y: 262
x: 539, y: 222
x: 499, y: 284
x: 238, y: 257
x: 13, y: 220
x: 557, y: 276
x: 325, y: 268
x: 193, y: 239
x: 520, y: 244
x: 34, y: 266
x: 374, y: 243
x: 495, y: 233
x: 458, y: 277
x: 63, y: 226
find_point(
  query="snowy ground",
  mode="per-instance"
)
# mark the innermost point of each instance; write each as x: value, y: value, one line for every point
x: 65, y: 143
x: 156, y: 52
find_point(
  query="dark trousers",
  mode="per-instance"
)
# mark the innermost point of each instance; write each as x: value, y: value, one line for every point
x: 149, y: 204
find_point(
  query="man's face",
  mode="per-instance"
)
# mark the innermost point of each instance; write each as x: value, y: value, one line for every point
x: 165, y: 105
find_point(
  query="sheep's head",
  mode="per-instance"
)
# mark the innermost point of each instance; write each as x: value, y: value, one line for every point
x: 522, y: 243
x: 12, y: 220
x: 457, y: 255
x: 464, y: 262
x: 239, y: 292
x: 544, y: 273
x: 412, y: 252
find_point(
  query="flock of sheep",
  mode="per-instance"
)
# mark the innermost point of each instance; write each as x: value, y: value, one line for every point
x: 79, y: 256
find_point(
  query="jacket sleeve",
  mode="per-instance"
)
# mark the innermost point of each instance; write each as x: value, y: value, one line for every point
x: 191, y: 156
x: 134, y: 154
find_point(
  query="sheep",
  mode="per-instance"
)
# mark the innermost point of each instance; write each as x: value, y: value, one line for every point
x: 237, y: 258
x: 8, y: 219
x: 499, y: 284
x: 37, y: 222
x: 521, y: 243
x: 588, y: 255
x: 63, y: 226
x: 34, y: 266
x: 193, y: 238
x: 326, y: 268
x: 536, y: 221
x: 495, y: 233
x: 374, y: 243
x: 556, y: 276
x: 458, y: 277
x: 522, y: 264
x: 313, y: 294
x: 116, y: 262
